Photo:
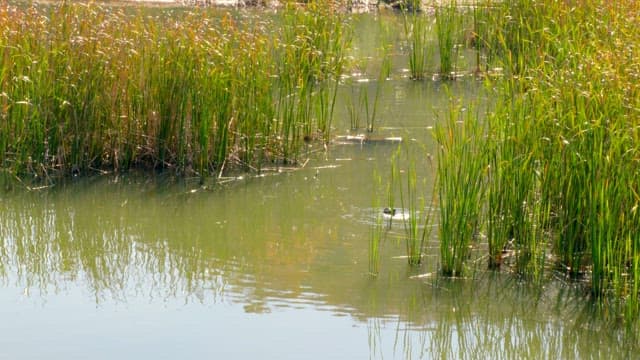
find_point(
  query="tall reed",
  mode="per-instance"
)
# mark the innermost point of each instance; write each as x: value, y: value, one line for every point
x: 385, y: 69
x: 105, y: 88
x: 563, y: 143
x: 415, y: 213
x: 460, y: 185
x: 448, y: 24
x: 416, y: 29
x: 359, y: 105
x: 313, y: 58
x: 477, y: 36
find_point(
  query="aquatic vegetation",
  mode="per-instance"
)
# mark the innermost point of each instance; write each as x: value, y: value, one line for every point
x: 477, y: 35
x: 358, y: 103
x: 375, y: 243
x: 460, y: 185
x: 382, y: 77
x: 448, y: 24
x: 446, y: 31
x: 413, y: 212
x: 551, y: 173
x: 91, y: 88
x: 563, y: 144
x: 515, y: 210
x: 353, y: 107
x: 416, y: 214
x: 314, y: 44
x: 417, y: 28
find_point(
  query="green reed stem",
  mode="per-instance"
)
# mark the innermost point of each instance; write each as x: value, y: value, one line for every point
x: 416, y: 28
x: 447, y: 26
x: 460, y: 186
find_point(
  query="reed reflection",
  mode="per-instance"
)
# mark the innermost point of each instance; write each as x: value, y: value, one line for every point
x: 503, y: 319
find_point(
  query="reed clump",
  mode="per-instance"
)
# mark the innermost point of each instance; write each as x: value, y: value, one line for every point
x: 417, y: 27
x: 460, y: 186
x: 551, y: 176
x: 405, y: 203
x: 445, y: 31
x: 85, y: 87
x: 448, y: 24
x: 563, y: 143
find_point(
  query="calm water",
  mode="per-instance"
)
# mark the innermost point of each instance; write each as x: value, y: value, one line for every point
x: 271, y: 267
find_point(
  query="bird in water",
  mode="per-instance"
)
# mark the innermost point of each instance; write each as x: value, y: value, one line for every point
x: 389, y: 211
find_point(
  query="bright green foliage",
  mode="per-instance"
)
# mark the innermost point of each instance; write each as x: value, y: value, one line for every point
x: 563, y: 142
x: 460, y: 186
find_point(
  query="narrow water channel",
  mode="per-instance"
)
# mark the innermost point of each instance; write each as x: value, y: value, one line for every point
x: 268, y: 267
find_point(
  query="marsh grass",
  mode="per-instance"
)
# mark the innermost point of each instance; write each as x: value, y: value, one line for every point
x: 416, y: 213
x: 375, y: 242
x: 563, y: 144
x: 409, y: 200
x: 448, y: 27
x: 551, y: 174
x: 314, y: 47
x: 359, y: 103
x: 385, y: 70
x: 403, y: 190
x: 477, y: 37
x: 354, y: 104
x: 416, y: 29
x: 91, y: 88
x: 460, y: 185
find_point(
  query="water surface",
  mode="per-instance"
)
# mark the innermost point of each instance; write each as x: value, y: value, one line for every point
x: 272, y: 266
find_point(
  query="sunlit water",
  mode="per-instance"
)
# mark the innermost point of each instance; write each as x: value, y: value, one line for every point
x: 269, y: 267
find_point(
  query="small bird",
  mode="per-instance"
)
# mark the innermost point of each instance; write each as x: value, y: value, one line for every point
x: 389, y: 211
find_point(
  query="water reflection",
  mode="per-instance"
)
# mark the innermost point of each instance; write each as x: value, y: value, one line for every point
x: 121, y: 237
x: 497, y: 318
x: 296, y: 242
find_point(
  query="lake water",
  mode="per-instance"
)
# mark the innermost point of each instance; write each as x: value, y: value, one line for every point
x: 273, y: 266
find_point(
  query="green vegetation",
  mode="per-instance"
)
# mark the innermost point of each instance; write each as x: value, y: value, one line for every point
x: 549, y: 175
x: 448, y: 23
x: 460, y: 186
x: 359, y: 103
x: 96, y: 88
x: 385, y: 68
x: 571, y: 121
x: 413, y: 212
x: 561, y: 149
x: 416, y: 29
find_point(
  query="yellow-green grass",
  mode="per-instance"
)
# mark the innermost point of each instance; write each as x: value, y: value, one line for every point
x: 85, y: 87
x: 563, y: 148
